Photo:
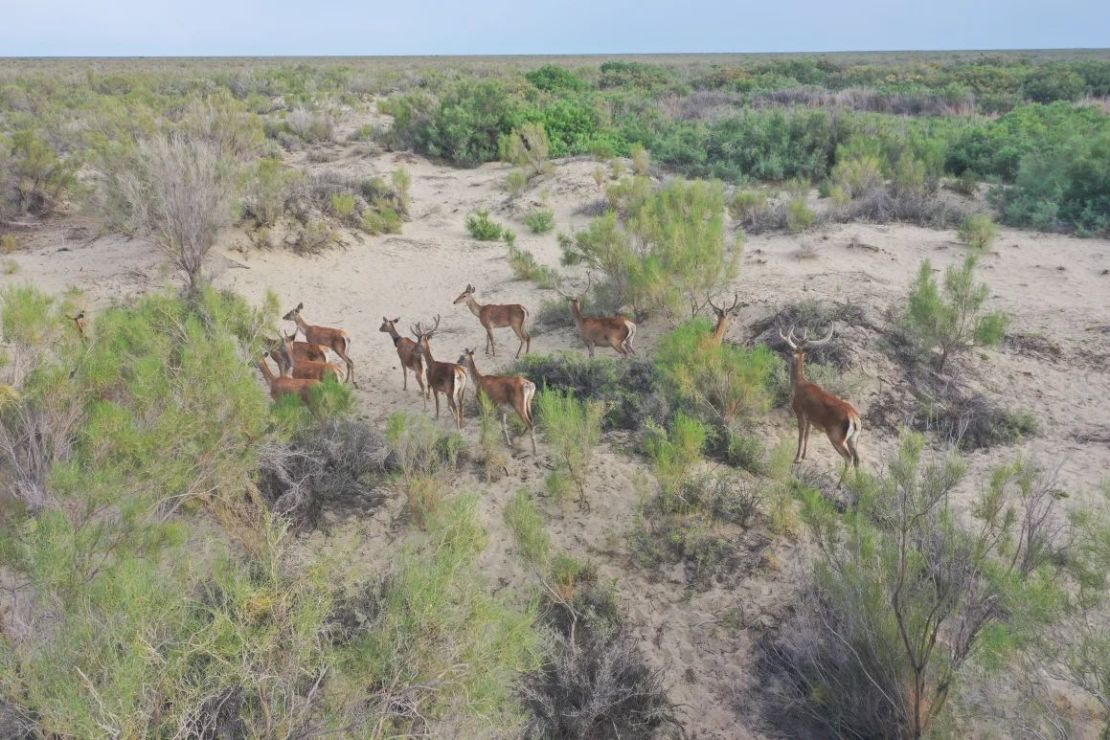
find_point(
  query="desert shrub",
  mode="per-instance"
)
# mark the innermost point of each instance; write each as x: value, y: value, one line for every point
x: 516, y: 182
x: 669, y: 252
x: 572, y: 429
x: 799, y: 216
x: 859, y: 174
x: 313, y: 237
x: 555, y: 78
x: 911, y: 177
x: 491, y: 448
x: 445, y: 653
x: 481, y: 227
x: 267, y: 191
x: 978, y: 231
x: 527, y: 148
x: 311, y: 126
x: 423, y: 456
x: 722, y: 382
x: 179, y: 190
x: 342, y: 206
x: 886, y: 204
x: 402, y: 185
x: 525, y: 267
x: 905, y: 595
x: 952, y: 321
x: 540, y: 221
x: 675, y: 452
x: 632, y: 392
x: 33, y: 178
x: 747, y: 204
x: 526, y: 523
x: 465, y: 125
x: 966, y: 184
x: 641, y: 160
x: 1051, y: 83
x: 384, y: 221
x: 969, y: 420
x: 329, y: 462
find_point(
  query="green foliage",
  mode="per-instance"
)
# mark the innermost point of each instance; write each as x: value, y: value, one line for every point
x: 527, y: 148
x: 874, y: 615
x: 747, y: 204
x: 35, y: 179
x: 554, y: 78
x: 268, y: 191
x: 858, y: 174
x: 952, y: 321
x: 723, y: 382
x: 978, y: 231
x: 540, y: 221
x: 423, y: 456
x: 516, y: 182
x: 675, y: 452
x: 572, y: 429
x: 438, y: 639
x: 799, y: 216
x: 466, y: 125
x: 667, y: 253
x: 641, y: 160
x: 481, y: 227
x: 525, y: 267
x: 526, y: 523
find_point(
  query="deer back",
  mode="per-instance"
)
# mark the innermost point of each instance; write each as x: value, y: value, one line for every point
x: 821, y: 408
x: 605, y: 329
x: 496, y: 316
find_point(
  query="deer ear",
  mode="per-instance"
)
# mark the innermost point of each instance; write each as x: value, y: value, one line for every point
x: 300, y: 306
x: 396, y: 319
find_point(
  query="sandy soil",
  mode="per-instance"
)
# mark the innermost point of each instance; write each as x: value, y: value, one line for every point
x: 1056, y: 287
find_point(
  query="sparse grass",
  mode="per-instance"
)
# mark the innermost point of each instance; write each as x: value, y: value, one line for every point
x: 572, y: 429
x: 978, y: 231
x: 423, y: 455
x: 540, y: 221
x: 799, y: 216
x: 525, y: 267
x: 527, y: 525
x: 492, y: 453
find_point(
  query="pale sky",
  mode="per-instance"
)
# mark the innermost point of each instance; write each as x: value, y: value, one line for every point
x: 372, y: 27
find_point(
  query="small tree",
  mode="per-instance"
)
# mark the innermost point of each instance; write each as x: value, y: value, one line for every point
x: 527, y: 147
x: 181, y: 192
x: 978, y: 231
x: 573, y: 429
x: 904, y: 594
x: 953, y: 321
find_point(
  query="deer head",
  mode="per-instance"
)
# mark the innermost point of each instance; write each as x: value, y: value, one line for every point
x: 470, y: 290
x: 294, y: 314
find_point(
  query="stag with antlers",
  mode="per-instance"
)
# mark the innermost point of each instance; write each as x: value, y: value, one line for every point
x: 603, y: 331
x: 337, y: 340
x: 409, y: 353
x: 505, y: 391
x: 816, y: 407
x: 447, y: 378
x: 494, y: 316
x: 724, y: 317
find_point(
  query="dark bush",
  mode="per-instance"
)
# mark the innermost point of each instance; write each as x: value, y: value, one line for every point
x: 595, y: 684
x: 554, y: 78
x: 632, y: 391
x: 467, y: 123
x: 817, y: 317
x: 330, y: 462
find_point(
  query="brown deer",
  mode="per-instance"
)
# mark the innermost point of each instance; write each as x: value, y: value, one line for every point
x: 282, y: 386
x: 505, y: 391
x: 816, y: 407
x: 80, y: 322
x: 724, y: 317
x: 290, y: 366
x: 301, y: 350
x: 336, y: 340
x: 447, y: 378
x: 493, y: 316
x: 604, y: 331
x: 409, y: 353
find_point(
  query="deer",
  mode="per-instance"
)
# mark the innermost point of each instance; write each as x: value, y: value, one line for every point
x: 301, y: 350
x: 493, y: 316
x: 283, y: 386
x: 337, y: 340
x: 447, y: 378
x: 816, y: 407
x: 80, y: 322
x: 724, y: 317
x: 612, y: 331
x: 290, y: 366
x: 409, y: 353
x: 505, y: 391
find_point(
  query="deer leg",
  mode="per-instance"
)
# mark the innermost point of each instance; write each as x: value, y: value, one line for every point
x: 491, y: 348
x: 436, y: 394
x: 805, y: 440
x: 404, y: 377
x: 590, y: 349
x: 855, y: 453
x: 505, y: 427
x: 801, y: 432
x: 520, y: 335
x: 842, y: 449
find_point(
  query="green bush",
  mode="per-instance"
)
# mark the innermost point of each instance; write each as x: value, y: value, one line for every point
x: 675, y: 453
x: 722, y: 382
x: 799, y: 216
x: 572, y: 429
x: 540, y: 221
x: 526, y: 523
x: 897, y: 639
x: 952, y: 321
x: 525, y: 267
x: 268, y: 191
x: 978, y: 231
x: 481, y: 227
x: 859, y: 174
x: 35, y: 179
x: 465, y: 126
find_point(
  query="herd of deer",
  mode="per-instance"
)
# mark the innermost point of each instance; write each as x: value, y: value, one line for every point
x: 302, y: 365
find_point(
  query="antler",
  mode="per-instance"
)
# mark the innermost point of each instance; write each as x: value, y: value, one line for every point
x: 730, y: 309
x: 735, y: 302
x: 788, y: 338
x: 823, y: 340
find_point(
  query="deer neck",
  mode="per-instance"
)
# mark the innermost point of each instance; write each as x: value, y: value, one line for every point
x: 576, y: 311
x: 474, y: 371
x: 394, y: 335
x: 426, y: 350
x: 720, y: 329
x: 301, y: 325
x: 474, y: 306
x: 797, y: 370
x: 266, y: 372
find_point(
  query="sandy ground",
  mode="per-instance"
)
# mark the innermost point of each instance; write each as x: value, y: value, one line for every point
x: 1055, y: 286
